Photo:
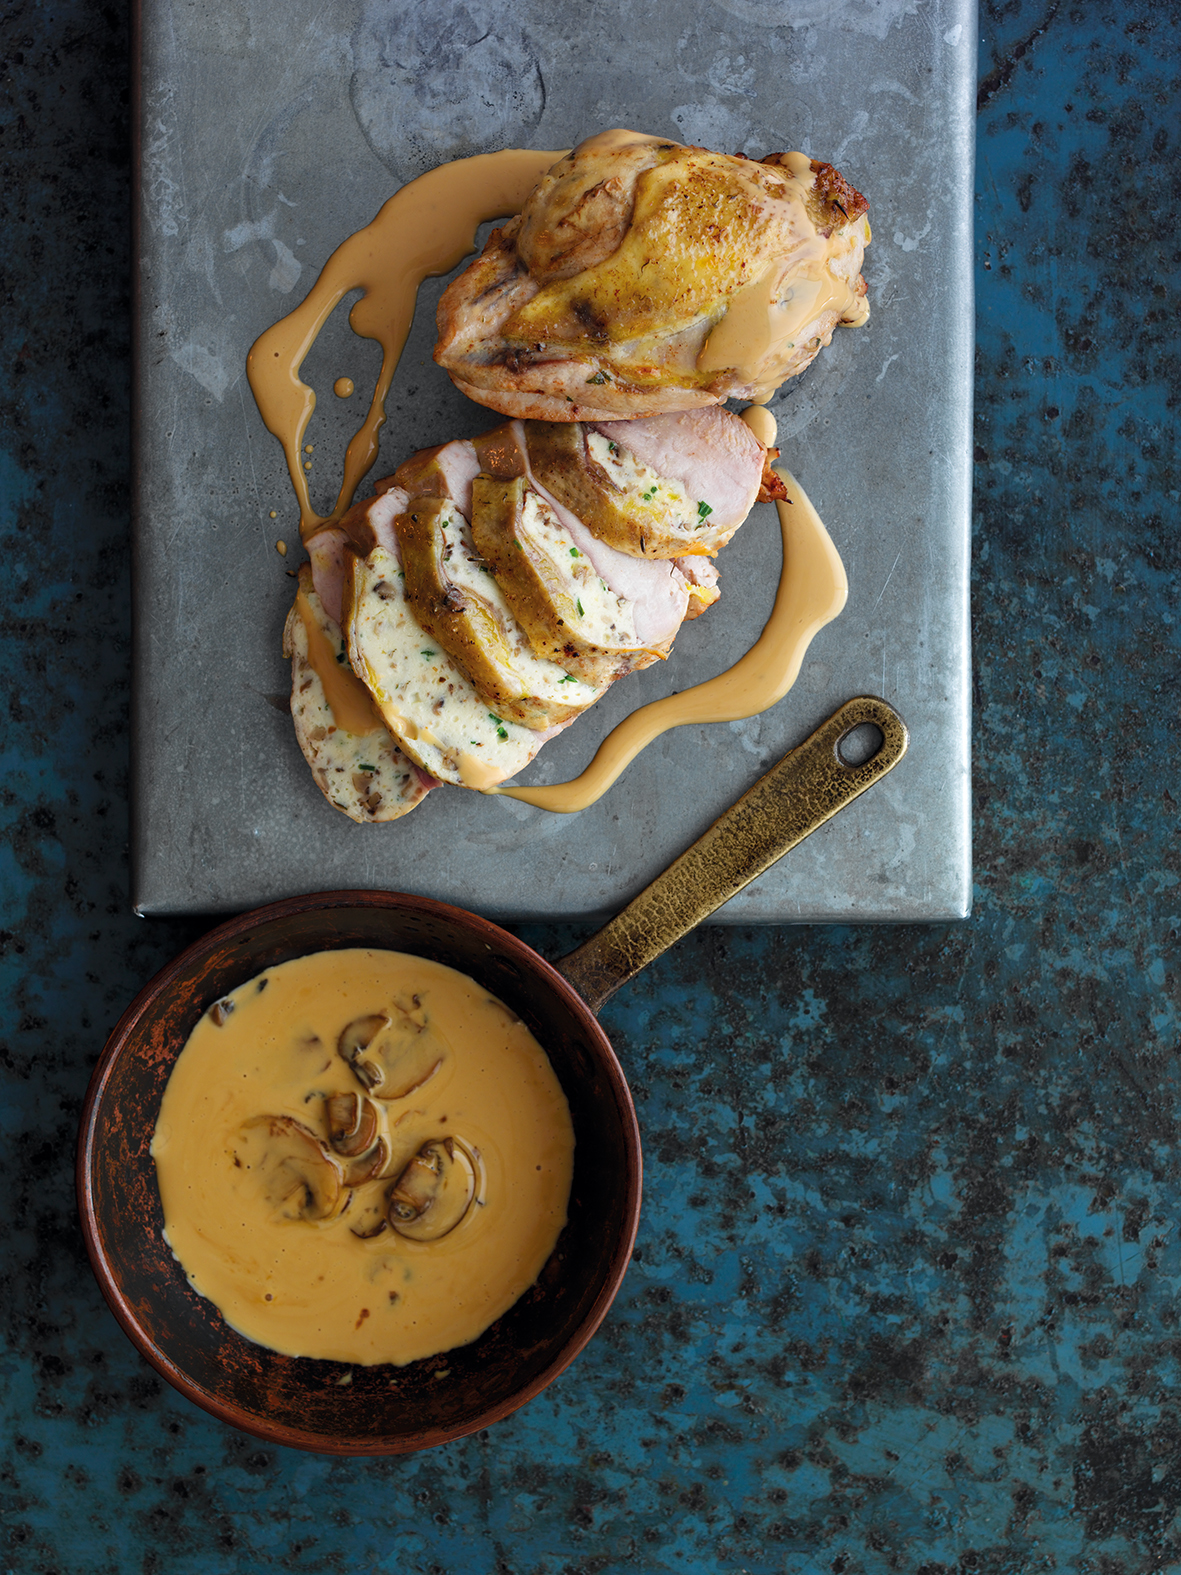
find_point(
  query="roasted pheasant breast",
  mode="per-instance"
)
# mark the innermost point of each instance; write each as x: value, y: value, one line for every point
x: 491, y: 590
x: 643, y: 276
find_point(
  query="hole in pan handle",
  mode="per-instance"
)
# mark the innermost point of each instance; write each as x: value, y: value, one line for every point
x: 808, y: 786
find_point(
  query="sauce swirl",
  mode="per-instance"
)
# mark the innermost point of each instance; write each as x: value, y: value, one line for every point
x: 423, y: 230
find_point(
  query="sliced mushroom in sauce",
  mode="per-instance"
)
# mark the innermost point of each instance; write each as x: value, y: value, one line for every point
x: 355, y: 1039
x: 392, y: 1054
x: 367, y: 1214
x: 299, y: 1176
x: 370, y: 1166
x: 434, y: 1191
x: 352, y: 1123
x: 356, y: 1131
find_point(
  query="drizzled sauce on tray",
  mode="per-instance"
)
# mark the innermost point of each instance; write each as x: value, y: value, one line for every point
x: 352, y: 705
x: 425, y: 229
x: 362, y: 1156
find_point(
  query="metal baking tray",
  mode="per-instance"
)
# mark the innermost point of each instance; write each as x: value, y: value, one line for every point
x: 266, y: 135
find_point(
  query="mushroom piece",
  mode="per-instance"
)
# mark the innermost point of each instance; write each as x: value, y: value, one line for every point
x: 352, y: 1123
x: 391, y: 1055
x: 355, y: 1039
x: 371, y: 1166
x: 300, y: 1178
x: 367, y: 1217
x: 435, y: 1190
x: 355, y: 1133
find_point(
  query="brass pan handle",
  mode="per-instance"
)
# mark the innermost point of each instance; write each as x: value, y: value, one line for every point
x: 805, y: 789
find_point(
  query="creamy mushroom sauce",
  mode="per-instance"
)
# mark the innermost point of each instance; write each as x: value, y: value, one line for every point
x: 362, y: 1156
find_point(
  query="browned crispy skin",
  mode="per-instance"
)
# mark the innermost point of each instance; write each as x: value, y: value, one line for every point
x: 771, y: 486
x: 596, y: 302
x: 357, y: 527
x: 500, y: 454
x: 832, y: 201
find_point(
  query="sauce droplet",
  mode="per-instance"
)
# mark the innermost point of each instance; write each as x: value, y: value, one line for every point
x: 343, y: 387
x: 762, y: 423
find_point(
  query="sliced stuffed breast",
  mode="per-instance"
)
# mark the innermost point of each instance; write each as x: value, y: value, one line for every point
x: 353, y: 757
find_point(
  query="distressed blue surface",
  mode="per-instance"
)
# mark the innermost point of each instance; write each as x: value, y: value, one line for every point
x: 907, y: 1282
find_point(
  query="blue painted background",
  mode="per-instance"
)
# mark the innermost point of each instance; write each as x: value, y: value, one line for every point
x: 906, y: 1291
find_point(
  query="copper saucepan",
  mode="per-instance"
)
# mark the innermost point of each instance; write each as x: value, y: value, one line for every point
x: 328, y: 1406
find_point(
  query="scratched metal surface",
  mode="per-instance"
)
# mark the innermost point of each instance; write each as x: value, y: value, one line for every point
x: 906, y: 1291
x: 271, y: 133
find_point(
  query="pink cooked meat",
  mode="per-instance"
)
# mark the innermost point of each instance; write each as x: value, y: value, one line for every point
x: 712, y: 455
